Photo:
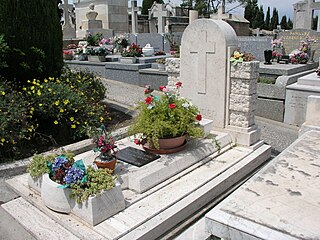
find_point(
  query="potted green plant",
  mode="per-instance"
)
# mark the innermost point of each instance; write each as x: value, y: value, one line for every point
x: 105, y: 147
x: 161, y: 64
x: 164, y: 122
x: 128, y: 56
x: 97, y: 54
x: 38, y: 167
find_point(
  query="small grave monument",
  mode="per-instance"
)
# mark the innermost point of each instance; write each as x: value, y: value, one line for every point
x: 225, y: 95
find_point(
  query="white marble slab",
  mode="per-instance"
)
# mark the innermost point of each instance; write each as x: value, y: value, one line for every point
x: 280, y: 202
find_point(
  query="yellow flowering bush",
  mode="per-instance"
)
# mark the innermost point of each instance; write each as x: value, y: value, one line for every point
x: 15, y: 120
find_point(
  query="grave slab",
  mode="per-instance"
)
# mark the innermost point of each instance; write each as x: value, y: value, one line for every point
x: 279, y: 202
x: 149, y: 215
x: 296, y: 98
x: 140, y: 179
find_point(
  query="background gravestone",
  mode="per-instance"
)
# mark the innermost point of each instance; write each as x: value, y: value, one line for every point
x: 255, y: 46
x: 291, y: 40
x: 205, y: 50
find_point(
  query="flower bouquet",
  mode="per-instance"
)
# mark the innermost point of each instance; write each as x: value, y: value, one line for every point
x: 67, y: 54
x: 165, y: 117
x: 133, y: 50
x: 105, y: 147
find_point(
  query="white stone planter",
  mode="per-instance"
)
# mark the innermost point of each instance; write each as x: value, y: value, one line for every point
x: 96, y: 58
x: 128, y: 60
x: 57, y: 199
x: 148, y: 51
x: 101, y: 207
x: 35, y: 183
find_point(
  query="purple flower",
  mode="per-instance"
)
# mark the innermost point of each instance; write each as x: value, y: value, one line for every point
x: 73, y: 175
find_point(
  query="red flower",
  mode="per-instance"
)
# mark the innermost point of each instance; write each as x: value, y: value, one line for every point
x: 179, y: 84
x: 161, y: 88
x: 137, y: 141
x: 172, y: 105
x: 148, y: 100
x: 199, y: 117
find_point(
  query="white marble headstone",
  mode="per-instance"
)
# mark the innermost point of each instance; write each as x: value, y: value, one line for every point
x: 205, y: 48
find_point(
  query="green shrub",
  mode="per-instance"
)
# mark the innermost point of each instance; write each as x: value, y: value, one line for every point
x: 62, y: 104
x: 15, y: 120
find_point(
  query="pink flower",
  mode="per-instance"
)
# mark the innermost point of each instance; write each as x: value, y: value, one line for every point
x: 148, y: 100
x: 179, y: 84
x: 199, y: 117
x: 172, y: 105
x: 162, y: 87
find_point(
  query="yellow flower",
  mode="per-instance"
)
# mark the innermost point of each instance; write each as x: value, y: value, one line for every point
x: 55, y: 122
x: 40, y: 104
x: 3, y: 93
x: 66, y: 102
x: 45, y: 80
x: 72, y: 119
x: 24, y: 89
x: 3, y: 140
x: 73, y: 126
x: 85, y: 123
x: 39, y: 93
x: 32, y: 109
x: 14, y: 142
x: 57, y: 102
x: 61, y: 110
x: 76, y: 110
x: 78, y: 123
x: 28, y: 81
x: 101, y: 119
x: 32, y: 88
x: 58, y: 81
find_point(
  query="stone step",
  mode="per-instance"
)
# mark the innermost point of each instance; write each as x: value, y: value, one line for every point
x: 154, y: 212
x: 280, y: 202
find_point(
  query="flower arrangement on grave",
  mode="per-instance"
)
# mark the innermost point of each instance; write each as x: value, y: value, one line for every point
x: 159, y: 53
x: 297, y: 56
x: 93, y: 40
x: 105, y: 147
x: 68, y: 54
x: 97, y: 51
x: 238, y: 57
x: 277, y: 43
x: 120, y: 42
x: 134, y: 50
x: 166, y: 116
x: 68, y: 173
x: 161, y: 61
x: 305, y: 45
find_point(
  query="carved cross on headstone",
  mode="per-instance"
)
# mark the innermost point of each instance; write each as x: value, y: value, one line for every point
x: 202, y: 51
x: 160, y: 13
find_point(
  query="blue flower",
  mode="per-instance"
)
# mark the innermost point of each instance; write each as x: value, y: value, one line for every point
x: 59, y: 162
x: 73, y: 175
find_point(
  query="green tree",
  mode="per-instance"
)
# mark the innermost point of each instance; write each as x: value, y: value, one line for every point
x: 274, y: 19
x: 33, y: 33
x: 251, y: 11
x: 267, y: 22
x: 290, y: 24
x: 147, y: 4
x: 283, y: 22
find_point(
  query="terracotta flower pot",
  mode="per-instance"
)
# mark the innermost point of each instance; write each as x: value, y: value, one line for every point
x: 168, y: 145
x: 106, y: 164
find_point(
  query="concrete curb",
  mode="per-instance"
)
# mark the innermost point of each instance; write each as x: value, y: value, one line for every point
x: 20, y: 166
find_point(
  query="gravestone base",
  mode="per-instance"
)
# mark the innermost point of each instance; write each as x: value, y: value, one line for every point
x: 244, y: 136
x: 280, y: 202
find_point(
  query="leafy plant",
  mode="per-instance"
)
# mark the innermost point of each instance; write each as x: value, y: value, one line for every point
x: 133, y: 50
x: 39, y: 166
x: 97, y: 181
x: 166, y: 116
x: 99, y: 51
x: 93, y: 40
x: 161, y: 61
x: 266, y: 80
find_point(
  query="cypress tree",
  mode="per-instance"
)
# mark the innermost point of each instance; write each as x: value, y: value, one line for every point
x: 274, y: 19
x: 33, y: 32
x: 283, y: 22
x: 147, y: 4
x: 290, y: 24
x: 267, y: 22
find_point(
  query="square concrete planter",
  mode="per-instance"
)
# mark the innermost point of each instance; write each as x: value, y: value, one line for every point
x: 96, y: 58
x: 35, y: 183
x: 128, y: 60
x: 100, y: 207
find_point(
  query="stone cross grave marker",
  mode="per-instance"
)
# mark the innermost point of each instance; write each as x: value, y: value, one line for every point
x: 205, y: 50
x: 202, y: 51
x: 159, y: 12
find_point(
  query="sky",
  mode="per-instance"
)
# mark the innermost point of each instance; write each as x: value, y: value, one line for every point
x: 284, y: 7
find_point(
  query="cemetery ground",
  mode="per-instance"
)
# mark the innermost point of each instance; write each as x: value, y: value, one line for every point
x: 278, y: 135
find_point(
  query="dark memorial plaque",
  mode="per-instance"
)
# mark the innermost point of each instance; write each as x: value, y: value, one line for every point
x: 136, y: 157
